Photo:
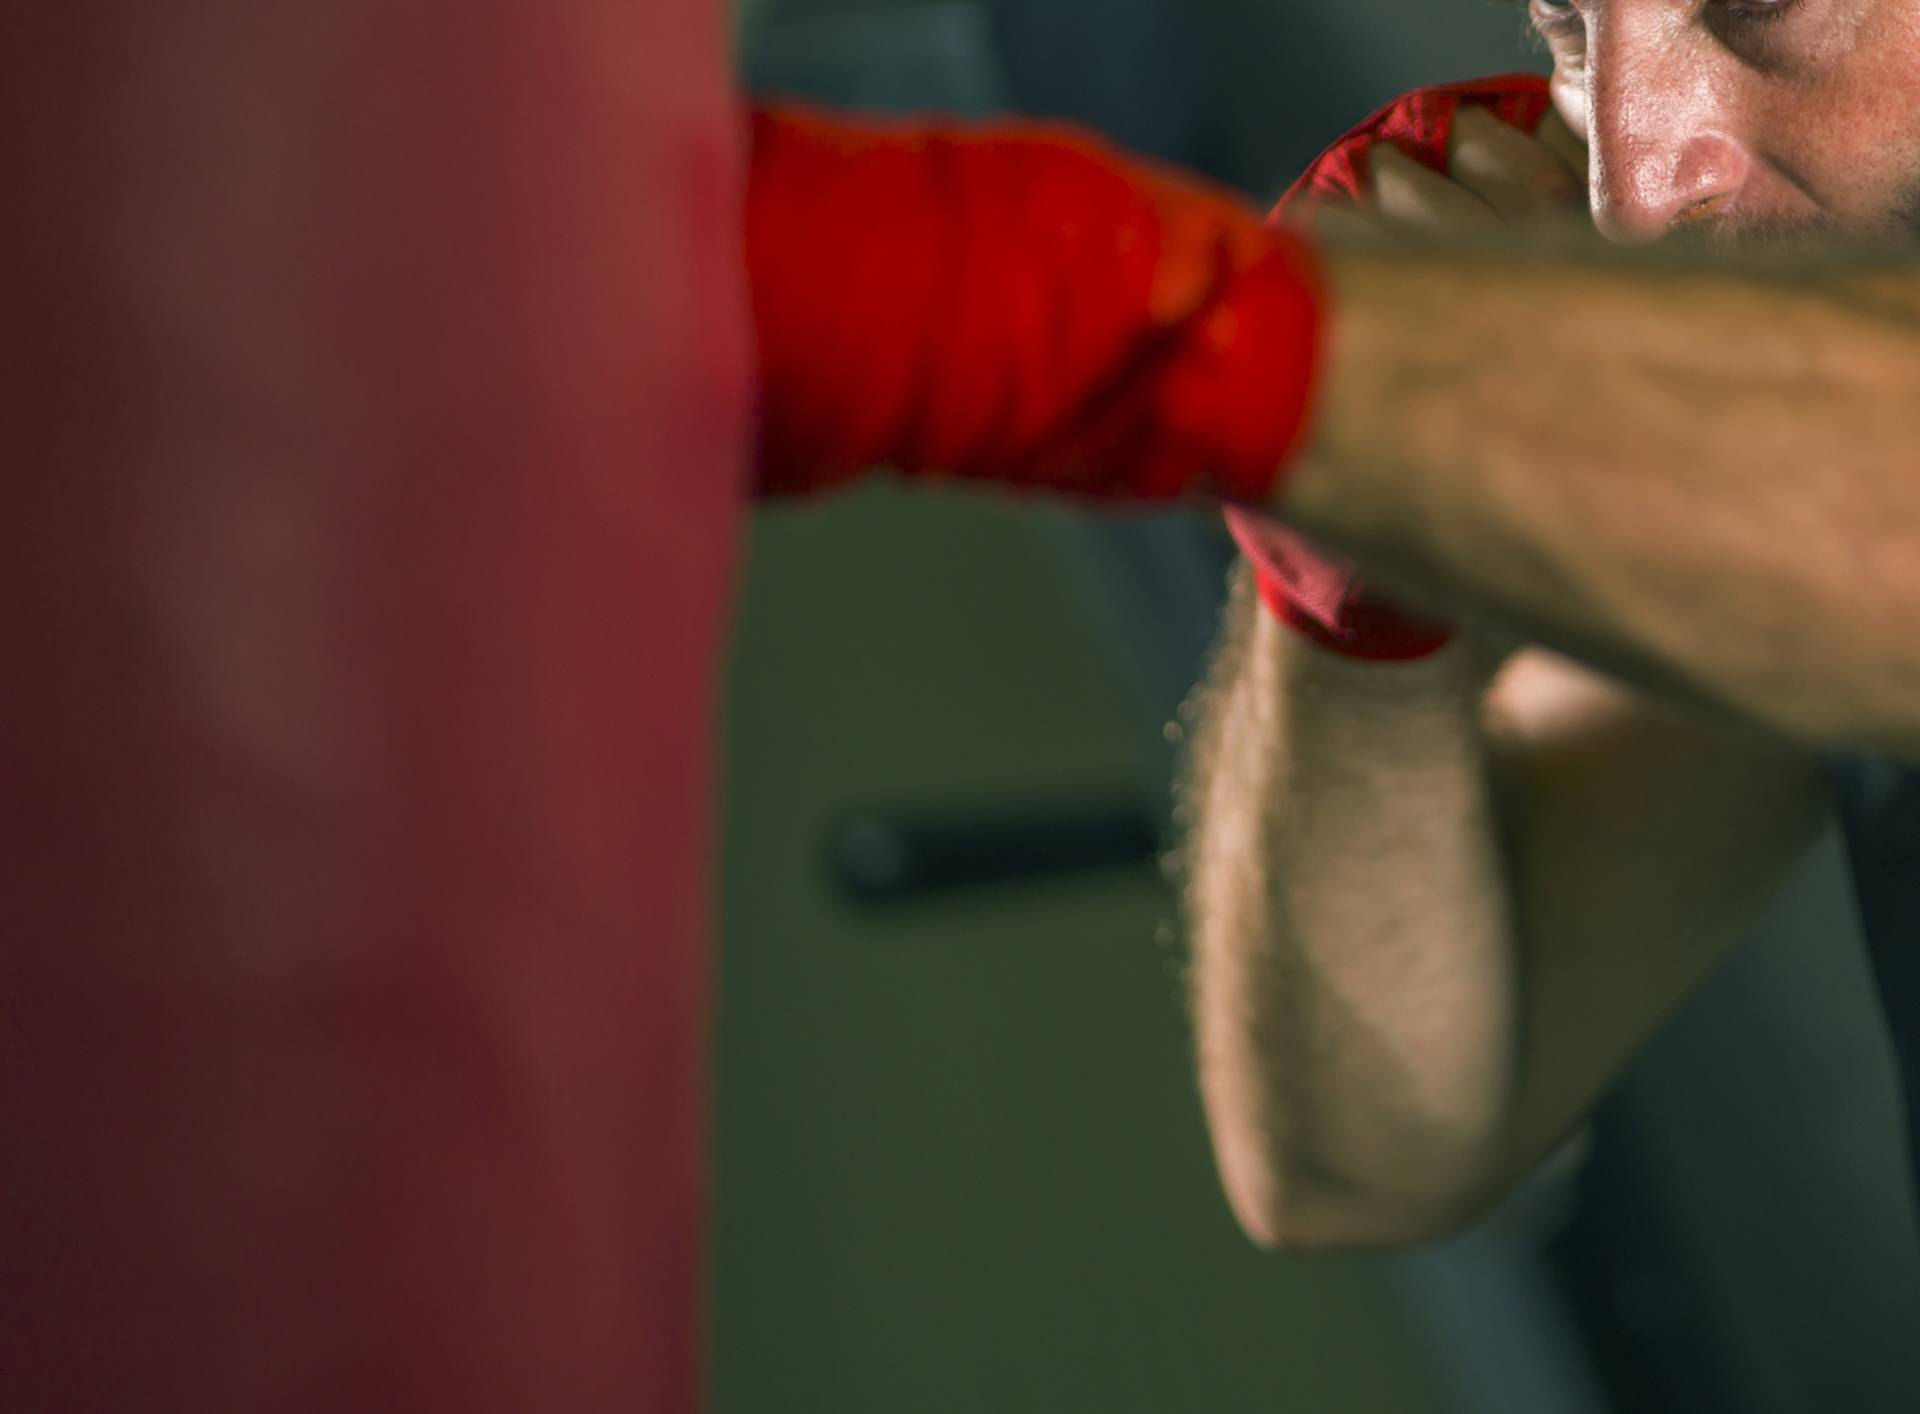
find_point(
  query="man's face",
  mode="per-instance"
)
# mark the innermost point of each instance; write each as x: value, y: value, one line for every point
x: 1748, y: 116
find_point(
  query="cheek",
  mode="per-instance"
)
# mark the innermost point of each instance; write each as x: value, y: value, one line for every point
x: 1568, y: 85
x: 1569, y: 93
x: 1853, y: 138
x: 1847, y: 130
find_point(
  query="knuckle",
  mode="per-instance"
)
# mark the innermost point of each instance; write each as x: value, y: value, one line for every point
x: 1491, y: 152
x: 1556, y: 184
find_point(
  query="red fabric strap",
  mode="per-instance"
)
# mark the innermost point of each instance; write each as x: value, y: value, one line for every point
x: 1324, y: 598
x: 1420, y: 124
x: 1016, y: 303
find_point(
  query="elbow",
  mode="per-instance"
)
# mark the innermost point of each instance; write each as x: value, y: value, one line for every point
x: 1341, y: 1175
x: 1305, y: 1211
x: 1352, y: 1225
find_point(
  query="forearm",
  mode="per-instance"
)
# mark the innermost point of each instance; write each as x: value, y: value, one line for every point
x: 1706, y: 483
x: 1352, y: 955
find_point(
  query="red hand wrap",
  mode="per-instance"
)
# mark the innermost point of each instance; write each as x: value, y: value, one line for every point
x: 1325, y: 599
x: 1420, y: 125
x: 1317, y: 594
x: 1017, y: 304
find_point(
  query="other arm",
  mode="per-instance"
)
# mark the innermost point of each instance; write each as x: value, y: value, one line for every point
x: 1431, y: 918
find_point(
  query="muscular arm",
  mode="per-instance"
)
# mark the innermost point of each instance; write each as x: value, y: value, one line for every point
x: 1703, y: 480
x: 1731, y: 506
x: 1432, y: 917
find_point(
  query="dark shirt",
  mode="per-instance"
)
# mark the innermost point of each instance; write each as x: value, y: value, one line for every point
x: 1879, y: 802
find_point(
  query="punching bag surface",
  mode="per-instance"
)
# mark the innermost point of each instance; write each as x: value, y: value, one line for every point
x: 376, y: 399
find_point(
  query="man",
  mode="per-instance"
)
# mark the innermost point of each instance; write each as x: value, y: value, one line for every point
x: 1440, y: 889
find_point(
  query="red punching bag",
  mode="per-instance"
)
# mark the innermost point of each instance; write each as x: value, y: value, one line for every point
x: 376, y: 405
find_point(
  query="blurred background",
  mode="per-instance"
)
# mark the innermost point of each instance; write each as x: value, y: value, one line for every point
x: 961, y: 1162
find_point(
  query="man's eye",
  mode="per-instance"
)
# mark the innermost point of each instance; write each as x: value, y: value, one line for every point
x: 1753, y: 16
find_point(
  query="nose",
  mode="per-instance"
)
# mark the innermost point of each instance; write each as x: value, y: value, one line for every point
x: 1661, y: 148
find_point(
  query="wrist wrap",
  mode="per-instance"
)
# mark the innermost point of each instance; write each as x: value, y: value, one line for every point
x: 1019, y: 304
x: 1323, y: 597
x: 1420, y: 124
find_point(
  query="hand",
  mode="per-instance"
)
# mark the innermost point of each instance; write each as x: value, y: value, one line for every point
x: 1500, y: 176
x: 1367, y: 187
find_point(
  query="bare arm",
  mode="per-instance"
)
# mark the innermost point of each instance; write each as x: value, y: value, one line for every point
x: 1703, y: 480
x: 1431, y: 919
